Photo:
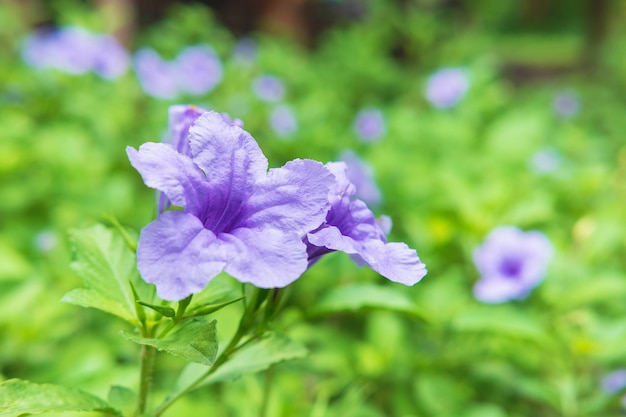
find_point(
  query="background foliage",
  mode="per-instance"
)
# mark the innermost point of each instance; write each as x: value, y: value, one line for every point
x: 447, y: 177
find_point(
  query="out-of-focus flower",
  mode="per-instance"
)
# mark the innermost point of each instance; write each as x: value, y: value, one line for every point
x: 566, y: 104
x: 245, y: 51
x: 156, y: 76
x: 237, y: 217
x: 545, y: 161
x: 511, y: 263
x: 351, y: 227
x: 198, y: 69
x: 614, y: 381
x: 268, y: 88
x: 362, y: 176
x: 75, y: 50
x: 46, y: 240
x: 283, y: 121
x: 369, y: 125
x: 446, y: 87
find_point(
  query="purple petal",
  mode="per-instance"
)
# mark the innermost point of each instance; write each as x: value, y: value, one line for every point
x: 156, y: 76
x: 292, y: 198
x: 178, y: 255
x: 181, y: 118
x: 199, y: 69
x: 164, y: 169
x: 267, y: 258
x: 395, y: 261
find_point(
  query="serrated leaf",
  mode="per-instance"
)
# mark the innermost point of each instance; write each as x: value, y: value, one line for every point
x: 19, y: 397
x: 257, y: 356
x: 106, y: 265
x: 366, y: 296
x: 195, y: 340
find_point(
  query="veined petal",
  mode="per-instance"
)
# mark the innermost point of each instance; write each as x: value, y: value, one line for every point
x: 228, y: 155
x: 267, y: 258
x: 293, y: 198
x: 395, y: 261
x: 181, y: 117
x: 331, y: 237
x: 178, y: 255
x: 168, y: 171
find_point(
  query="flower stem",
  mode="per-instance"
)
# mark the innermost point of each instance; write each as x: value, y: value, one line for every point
x: 145, y: 378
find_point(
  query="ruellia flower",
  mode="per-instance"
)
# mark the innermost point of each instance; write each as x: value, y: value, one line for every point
x: 369, y: 125
x: 614, y: 382
x: 351, y: 227
x: 268, y: 88
x: 511, y: 263
x: 361, y: 175
x: 283, y: 121
x: 236, y: 216
x: 446, y: 87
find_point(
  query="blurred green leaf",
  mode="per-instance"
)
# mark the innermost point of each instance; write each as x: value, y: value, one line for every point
x: 19, y: 398
x: 502, y: 320
x: 194, y: 339
x: 122, y: 398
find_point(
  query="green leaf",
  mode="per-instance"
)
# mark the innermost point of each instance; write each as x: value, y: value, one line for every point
x: 18, y: 397
x: 107, y: 266
x: 212, y: 308
x: 256, y: 356
x: 194, y: 339
x: 122, y: 398
x: 367, y: 296
x: 499, y: 320
x: 165, y: 311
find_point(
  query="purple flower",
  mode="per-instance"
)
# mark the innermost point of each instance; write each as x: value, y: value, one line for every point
x: 546, y: 161
x: 237, y: 217
x: 156, y: 76
x: 446, y: 87
x: 511, y: 263
x: 283, y: 121
x: 198, y: 69
x: 268, y: 88
x: 369, y: 125
x: 362, y: 176
x: 351, y: 227
x: 614, y: 381
x: 245, y: 51
x: 75, y: 51
x: 566, y: 104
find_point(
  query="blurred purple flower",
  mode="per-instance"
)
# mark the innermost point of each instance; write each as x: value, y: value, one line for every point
x: 75, y: 50
x: 369, y: 125
x: 46, y: 240
x: 283, y: 121
x: 268, y: 88
x: 614, y: 381
x: 351, y: 227
x: 446, y: 87
x: 362, y: 176
x: 198, y: 69
x: 545, y: 161
x: 156, y: 76
x: 245, y: 51
x: 511, y: 263
x: 566, y: 104
x: 237, y: 217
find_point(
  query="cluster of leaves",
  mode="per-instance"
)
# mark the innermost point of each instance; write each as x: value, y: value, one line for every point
x: 448, y: 177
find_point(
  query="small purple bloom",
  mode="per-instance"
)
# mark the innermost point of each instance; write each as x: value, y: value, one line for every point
x: 566, y: 104
x: 237, y: 217
x: 546, y: 161
x: 283, y: 121
x: 446, y: 87
x: 351, y: 227
x: 614, y: 381
x: 369, y: 125
x: 268, y: 88
x: 362, y: 176
x: 245, y: 51
x: 511, y: 263
x: 156, y: 76
x: 112, y: 59
x: 199, y: 69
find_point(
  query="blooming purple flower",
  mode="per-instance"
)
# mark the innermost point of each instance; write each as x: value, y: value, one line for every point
x: 446, y: 87
x: 614, y: 381
x: 351, y: 227
x: 268, y: 88
x: 362, y: 176
x: 156, y: 76
x: 283, y: 121
x: 566, y: 104
x: 199, y: 69
x: 74, y: 50
x: 237, y: 217
x: 511, y: 263
x: 369, y: 125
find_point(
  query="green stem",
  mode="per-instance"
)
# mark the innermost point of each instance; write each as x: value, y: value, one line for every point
x: 145, y: 378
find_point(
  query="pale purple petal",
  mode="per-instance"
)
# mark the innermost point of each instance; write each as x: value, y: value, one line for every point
x: 75, y: 50
x: 267, y: 258
x: 156, y: 76
x: 369, y: 125
x: 199, y: 69
x: 614, y: 381
x: 292, y: 198
x: 164, y: 169
x: 268, y: 88
x: 395, y: 261
x: 446, y: 87
x: 112, y: 59
x: 181, y: 117
x: 566, y: 104
x: 498, y: 291
x: 283, y: 121
x: 178, y: 255
x: 362, y: 176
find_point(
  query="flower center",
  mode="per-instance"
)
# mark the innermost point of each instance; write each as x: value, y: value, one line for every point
x: 511, y: 267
